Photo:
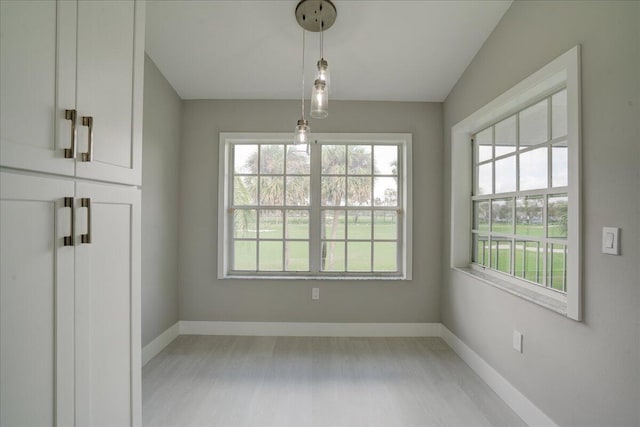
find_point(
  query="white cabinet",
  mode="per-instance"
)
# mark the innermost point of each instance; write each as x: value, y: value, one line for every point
x: 37, y: 84
x: 82, y: 56
x: 109, y: 90
x: 108, y: 307
x: 70, y: 315
x: 71, y: 106
x: 36, y: 302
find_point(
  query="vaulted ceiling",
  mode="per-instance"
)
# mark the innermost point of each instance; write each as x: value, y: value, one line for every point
x: 377, y: 50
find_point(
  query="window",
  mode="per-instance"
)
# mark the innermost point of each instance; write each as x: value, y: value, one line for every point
x: 339, y: 210
x: 520, y: 200
x: 519, y: 159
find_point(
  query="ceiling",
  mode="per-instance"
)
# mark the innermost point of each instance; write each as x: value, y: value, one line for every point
x: 377, y: 50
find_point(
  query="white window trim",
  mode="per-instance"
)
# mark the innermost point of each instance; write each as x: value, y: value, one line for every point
x: 564, y: 70
x: 226, y: 141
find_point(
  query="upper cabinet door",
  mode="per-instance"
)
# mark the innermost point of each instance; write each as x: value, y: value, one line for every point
x: 37, y: 84
x: 109, y: 90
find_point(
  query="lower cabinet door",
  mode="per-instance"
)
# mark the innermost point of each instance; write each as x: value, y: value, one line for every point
x: 107, y: 266
x: 36, y: 301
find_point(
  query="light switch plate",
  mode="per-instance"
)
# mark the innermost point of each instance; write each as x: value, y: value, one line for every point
x: 517, y: 341
x: 611, y: 240
x: 315, y: 293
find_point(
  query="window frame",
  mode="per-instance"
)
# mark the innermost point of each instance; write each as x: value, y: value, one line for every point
x: 562, y: 72
x: 227, y: 140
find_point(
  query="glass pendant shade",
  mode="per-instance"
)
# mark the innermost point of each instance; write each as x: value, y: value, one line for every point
x: 323, y: 72
x: 302, y: 132
x: 319, y: 100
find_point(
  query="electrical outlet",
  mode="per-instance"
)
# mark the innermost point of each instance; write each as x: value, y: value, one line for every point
x: 315, y: 293
x: 517, y: 341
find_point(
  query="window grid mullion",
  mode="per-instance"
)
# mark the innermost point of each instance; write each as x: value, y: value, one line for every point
x: 347, y: 162
x: 285, y: 232
x: 346, y: 243
x: 315, y: 221
x: 545, y: 213
x: 373, y: 202
x: 258, y: 239
x: 548, y: 283
x: 564, y: 276
x: 259, y: 201
x: 513, y: 239
x: 493, y: 161
x: 490, y: 233
x: 230, y: 213
x: 285, y: 225
x: 517, y: 153
x: 549, y: 146
x: 400, y: 204
x: 524, y: 259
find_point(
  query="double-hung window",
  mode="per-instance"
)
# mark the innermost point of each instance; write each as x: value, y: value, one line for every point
x: 515, y: 200
x: 338, y: 208
x: 520, y: 200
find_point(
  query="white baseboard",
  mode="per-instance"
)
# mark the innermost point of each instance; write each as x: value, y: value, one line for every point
x: 304, y: 329
x: 150, y: 350
x: 517, y: 401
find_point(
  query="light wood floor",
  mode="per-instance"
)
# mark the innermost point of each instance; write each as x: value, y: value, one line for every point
x: 296, y: 381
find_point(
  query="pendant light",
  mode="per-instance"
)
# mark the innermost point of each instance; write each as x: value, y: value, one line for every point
x: 318, y: 16
x: 320, y: 93
x: 302, y: 130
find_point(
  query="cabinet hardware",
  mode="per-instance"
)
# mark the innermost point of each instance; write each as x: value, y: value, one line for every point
x: 70, y: 153
x: 88, y: 156
x: 69, y: 240
x: 85, y: 202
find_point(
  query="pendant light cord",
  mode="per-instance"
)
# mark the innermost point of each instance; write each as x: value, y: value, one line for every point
x: 302, y: 103
x: 321, y: 41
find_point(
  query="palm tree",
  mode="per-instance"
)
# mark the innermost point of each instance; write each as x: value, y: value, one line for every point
x: 335, y: 191
x: 271, y: 162
x: 242, y: 196
x: 272, y: 188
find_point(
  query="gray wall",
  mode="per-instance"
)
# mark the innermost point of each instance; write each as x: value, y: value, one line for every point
x: 204, y: 297
x: 578, y: 373
x: 160, y: 186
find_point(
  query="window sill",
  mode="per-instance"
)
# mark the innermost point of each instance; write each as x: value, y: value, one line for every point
x: 354, y: 278
x: 549, y: 303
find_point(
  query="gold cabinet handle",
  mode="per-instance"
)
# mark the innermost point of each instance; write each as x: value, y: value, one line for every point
x: 69, y: 240
x: 70, y: 153
x: 88, y: 156
x: 85, y: 202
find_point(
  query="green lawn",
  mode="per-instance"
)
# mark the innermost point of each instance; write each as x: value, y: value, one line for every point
x: 270, y: 253
x: 527, y: 263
